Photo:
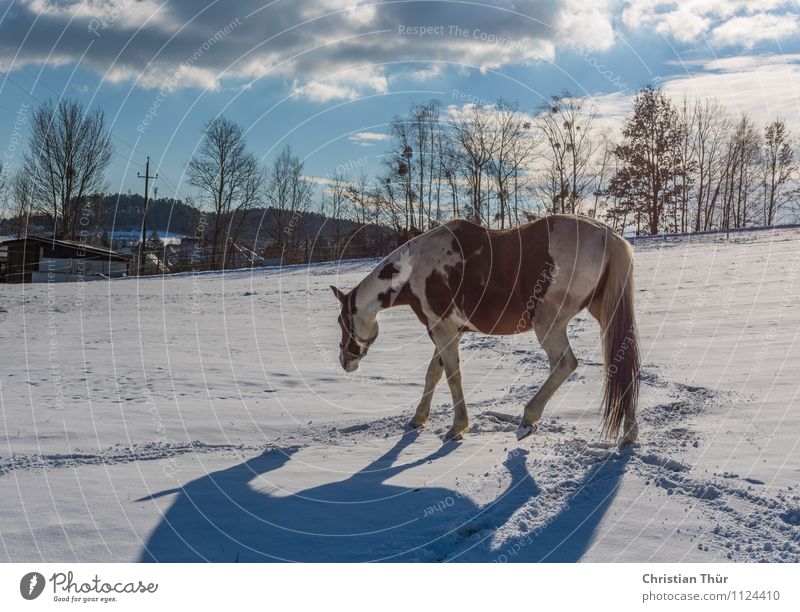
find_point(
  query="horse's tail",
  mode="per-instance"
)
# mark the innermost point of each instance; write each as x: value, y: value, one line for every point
x: 615, y: 311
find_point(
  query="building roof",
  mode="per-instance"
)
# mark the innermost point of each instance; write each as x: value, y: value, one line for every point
x: 70, y: 244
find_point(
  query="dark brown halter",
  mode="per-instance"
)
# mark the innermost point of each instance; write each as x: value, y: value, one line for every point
x: 363, y: 344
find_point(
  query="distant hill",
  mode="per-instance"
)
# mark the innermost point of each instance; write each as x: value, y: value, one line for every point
x: 123, y: 212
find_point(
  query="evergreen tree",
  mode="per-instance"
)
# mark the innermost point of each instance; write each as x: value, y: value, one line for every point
x: 651, y: 172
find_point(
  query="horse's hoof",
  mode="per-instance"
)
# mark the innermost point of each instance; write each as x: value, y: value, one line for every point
x: 454, y: 434
x: 413, y: 425
x: 631, y: 434
x: 523, y: 431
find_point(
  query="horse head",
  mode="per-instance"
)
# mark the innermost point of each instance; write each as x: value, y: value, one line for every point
x: 359, y: 330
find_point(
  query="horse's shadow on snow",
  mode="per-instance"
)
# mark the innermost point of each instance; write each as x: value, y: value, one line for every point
x: 224, y: 517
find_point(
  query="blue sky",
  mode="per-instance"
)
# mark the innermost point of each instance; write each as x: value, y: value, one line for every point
x: 326, y: 76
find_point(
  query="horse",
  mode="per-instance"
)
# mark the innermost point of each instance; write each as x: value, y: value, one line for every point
x: 461, y: 277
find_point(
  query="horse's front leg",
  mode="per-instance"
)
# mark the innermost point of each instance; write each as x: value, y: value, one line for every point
x: 432, y: 378
x: 447, y: 348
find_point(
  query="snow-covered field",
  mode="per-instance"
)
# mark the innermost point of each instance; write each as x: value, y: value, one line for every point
x: 205, y: 417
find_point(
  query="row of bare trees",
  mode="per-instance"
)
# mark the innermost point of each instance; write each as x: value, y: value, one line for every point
x: 493, y: 164
x: 674, y: 168
x: 69, y: 150
x: 234, y: 184
x: 691, y: 167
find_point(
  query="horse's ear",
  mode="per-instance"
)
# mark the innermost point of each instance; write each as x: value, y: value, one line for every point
x: 340, y: 295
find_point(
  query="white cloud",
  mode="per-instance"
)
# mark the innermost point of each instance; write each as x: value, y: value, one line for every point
x: 317, y: 91
x: 766, y: 87
x: 317, y: 180
x: 332, y: 50
x: 367, y: 139
x: 751, y: 29
x: 302, y: 42
x: 610, y: 111
x: 347, y: 85
x: 722, y: 22
x: 587, y: 23
x: 100, y: 15
x: 683, y: 25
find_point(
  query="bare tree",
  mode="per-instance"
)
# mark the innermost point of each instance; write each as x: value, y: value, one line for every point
x: 289, y: 196
x: 678, y: 211
x: 779, y: 169
x: 422, y: 118
x: 451, y: 165
x: 525, y: 153
x: 68, y: 152
x: 400, y: 167
x: 335, y: 206
x: 604, y: 158
x: 358, y: 195
x: 742, y: 174
x: 21, y: 198
x: 230, y: 176
x: 473, y: 135
x: 391, y: 211
x: 567, y: 178
x: 708, y: 130
x: 513, y: 150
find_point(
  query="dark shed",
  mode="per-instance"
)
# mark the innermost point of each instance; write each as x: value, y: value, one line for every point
x: 33, y: 259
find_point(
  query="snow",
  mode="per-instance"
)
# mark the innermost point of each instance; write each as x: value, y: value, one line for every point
x: 206, y: 416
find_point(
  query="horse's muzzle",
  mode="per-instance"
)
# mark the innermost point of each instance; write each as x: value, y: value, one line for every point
x: 349, y: 365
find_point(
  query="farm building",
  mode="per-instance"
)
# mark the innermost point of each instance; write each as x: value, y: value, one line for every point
x: 42, y: 260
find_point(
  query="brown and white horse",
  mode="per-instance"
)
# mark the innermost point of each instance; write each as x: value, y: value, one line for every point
x: 461, y: 277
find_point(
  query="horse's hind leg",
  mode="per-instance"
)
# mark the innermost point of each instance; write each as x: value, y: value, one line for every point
x: 555, y: 343
x: 447, y: 348
x: 432, y: 378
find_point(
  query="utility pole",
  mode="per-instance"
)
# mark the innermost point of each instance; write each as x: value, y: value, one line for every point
x: 146, y: 178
